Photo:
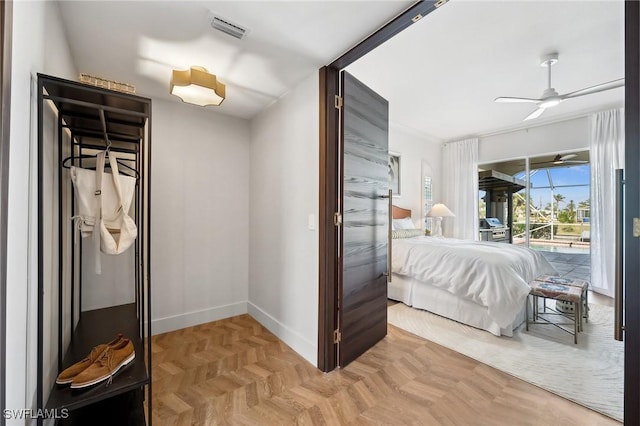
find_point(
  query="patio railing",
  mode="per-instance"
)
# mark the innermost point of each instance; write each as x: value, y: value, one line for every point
x: 555, y: 233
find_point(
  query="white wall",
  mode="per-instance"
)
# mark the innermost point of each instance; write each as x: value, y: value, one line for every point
x: 417, y: 152
x: 115, y: 285
x: 283, y: 269
x: 199, y: 215
x: 39, y: 45
x: 551, y: 138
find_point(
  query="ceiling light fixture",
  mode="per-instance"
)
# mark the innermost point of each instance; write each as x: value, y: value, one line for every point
x: 197, y: 86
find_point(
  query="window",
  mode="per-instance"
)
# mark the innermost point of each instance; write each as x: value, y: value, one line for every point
x: 428, y: 201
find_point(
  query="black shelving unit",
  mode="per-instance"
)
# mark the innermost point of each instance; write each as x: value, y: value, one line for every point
x: 88, y: 120
x: 96, y: 327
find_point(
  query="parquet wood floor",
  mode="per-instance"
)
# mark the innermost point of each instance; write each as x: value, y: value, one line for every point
x: 236, y: 372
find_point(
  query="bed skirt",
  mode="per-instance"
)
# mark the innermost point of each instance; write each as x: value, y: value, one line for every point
x: 440, y: 302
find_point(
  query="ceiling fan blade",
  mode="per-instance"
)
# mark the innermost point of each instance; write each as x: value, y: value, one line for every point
x: 542, y: 162
x: 575, y: 161
x: 508, y: 99
x: 534, y: 114
x: 568, y: 156
x: 594, y: 89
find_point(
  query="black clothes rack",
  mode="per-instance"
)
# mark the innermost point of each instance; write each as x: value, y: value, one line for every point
x: 87, y: 119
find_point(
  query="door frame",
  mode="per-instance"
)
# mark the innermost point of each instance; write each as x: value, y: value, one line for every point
x: 6, y: 19
x: 329, y: 264
x: 328, y: 253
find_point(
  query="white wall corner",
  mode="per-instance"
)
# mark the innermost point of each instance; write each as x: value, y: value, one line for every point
x: 299, y: 343
x: 189, y: 319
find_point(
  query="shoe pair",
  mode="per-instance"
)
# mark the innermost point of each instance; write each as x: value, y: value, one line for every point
x: 101, y: 364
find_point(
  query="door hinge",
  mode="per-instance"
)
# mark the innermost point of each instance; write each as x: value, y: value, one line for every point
x: 338, y: 102
x: 636, y: 227
x: 440, y: 3
x: 337, y: 336
x: 337, y: 219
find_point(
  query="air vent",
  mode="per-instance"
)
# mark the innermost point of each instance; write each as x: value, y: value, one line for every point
x: 222, y: 24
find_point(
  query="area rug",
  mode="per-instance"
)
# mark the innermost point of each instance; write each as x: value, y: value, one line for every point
x: 590, y: 373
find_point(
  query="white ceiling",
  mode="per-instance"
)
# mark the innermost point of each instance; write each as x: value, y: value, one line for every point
x: 140, y: 42
x: 440, y: 75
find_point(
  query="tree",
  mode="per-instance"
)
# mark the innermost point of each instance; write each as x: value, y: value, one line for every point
x: 559, y: 198
x: 586, y: 204
x: 568, y: 215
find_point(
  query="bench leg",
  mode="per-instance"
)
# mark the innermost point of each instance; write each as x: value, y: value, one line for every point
x: 581, y: 316
x: 576, y: 318
x: 586, y: 305
x: 526, y: 312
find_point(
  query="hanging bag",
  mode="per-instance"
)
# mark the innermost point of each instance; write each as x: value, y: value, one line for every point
x: 103, y: 206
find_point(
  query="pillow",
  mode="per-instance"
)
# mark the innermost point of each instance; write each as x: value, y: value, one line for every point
x: 406, y: 233
x: 405, y: 223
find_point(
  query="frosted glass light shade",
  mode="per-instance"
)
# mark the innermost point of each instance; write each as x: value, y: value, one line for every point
x: 197, y: 86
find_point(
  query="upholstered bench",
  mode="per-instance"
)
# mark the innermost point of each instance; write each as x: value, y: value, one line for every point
x: 548, y: 290
x: 582, y: 284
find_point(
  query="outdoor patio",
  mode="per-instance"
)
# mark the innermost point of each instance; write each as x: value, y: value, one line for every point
x: 570, y: 265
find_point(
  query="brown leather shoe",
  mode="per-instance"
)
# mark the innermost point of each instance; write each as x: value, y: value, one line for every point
x: 67, y: 375
x: 106, y: 366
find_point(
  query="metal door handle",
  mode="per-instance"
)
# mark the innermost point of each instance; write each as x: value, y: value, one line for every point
x: 390, y: 236
x: 618, y: 330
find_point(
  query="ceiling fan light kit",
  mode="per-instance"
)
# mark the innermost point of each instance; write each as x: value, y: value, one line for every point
x: 550, y: 96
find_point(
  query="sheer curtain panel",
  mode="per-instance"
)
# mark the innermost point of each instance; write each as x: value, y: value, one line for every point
x: 460, y: 188
x: 607, y: 155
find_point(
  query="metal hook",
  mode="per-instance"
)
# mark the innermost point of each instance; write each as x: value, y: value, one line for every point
x: 104, y: 131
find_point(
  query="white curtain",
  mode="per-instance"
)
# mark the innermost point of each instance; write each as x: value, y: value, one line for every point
x: 460, y: 188
x: 607, y: 155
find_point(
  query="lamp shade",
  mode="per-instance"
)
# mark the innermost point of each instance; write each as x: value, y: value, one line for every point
x: 197, y: 86
x: 440, y: 210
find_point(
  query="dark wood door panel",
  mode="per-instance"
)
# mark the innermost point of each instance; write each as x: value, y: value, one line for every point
x: 367, y: 319
x: 363, y: 287
x: 632, y: 209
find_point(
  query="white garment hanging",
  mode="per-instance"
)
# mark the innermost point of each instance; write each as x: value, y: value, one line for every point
x: 105, y: 202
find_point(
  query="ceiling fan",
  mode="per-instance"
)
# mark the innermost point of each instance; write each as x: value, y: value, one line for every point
x: 551, y: 98
x: 563, y: 159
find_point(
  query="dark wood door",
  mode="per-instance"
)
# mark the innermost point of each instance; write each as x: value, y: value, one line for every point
x: 363, y: 285
x: 632, y: 210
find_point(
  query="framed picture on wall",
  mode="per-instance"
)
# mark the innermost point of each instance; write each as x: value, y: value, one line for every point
x: 394, y: 173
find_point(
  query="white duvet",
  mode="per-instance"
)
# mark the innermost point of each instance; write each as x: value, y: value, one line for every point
x: 494, y: 275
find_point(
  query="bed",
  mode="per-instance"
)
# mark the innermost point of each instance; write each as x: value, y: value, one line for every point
x: 482, y: 284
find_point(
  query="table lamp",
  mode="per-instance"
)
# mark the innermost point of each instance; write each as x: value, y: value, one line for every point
x: 437, y: 212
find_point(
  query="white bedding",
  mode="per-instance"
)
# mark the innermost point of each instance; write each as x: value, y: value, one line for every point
x: 440, y: 302
x: 493, y: 275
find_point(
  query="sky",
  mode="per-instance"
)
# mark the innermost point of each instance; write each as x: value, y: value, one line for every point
x: 573, y: 175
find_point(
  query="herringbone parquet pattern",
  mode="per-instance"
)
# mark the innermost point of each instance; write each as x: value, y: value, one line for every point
x: 234, y: 371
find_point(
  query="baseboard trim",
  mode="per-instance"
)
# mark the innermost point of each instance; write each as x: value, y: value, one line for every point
x: 189, y: 319
x: 308, y: 350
